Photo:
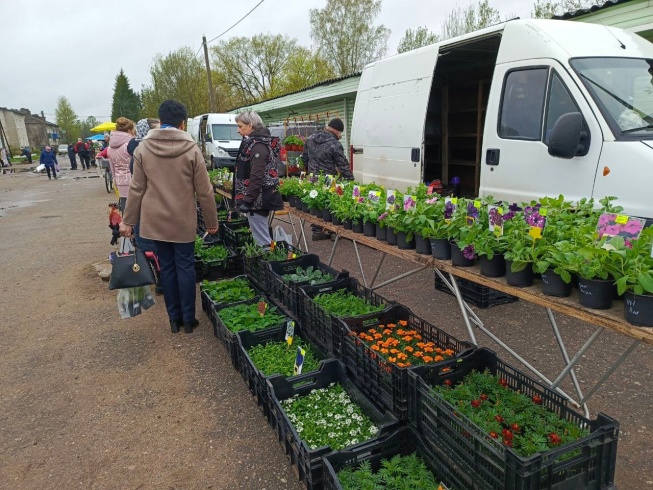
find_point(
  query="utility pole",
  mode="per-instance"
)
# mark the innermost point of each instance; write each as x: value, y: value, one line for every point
x: 208, y: 74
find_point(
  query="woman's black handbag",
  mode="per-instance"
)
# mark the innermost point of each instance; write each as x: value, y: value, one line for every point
x: 130, y: 271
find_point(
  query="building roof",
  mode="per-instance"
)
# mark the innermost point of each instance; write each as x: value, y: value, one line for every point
x: 589, y: 10
x: 310, y: 87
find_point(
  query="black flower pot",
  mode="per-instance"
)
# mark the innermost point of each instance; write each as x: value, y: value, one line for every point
x: 316, y: 212
x: 381, y: 233
x: 494, y: 267
x: 458, y: 259
x: 369, y: 229
x: 326, y: 215
x: 553, y: 285
x: 391, y: 237
x: 522, y: 279
x: 422, y: 245
x: 305, y: 207
x: 596, y: 294
x: 347, y: 224
x: 357, y: 226
x: 336, y: 221
x: 292, y: 200
x: 441, y: 248
x: 404, y: 244
x: 638, y: 309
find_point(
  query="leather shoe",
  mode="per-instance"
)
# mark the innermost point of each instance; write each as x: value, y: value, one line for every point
x: 190, y: 326
x: 175, y: 325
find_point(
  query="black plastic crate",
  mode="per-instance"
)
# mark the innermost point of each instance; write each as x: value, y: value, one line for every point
x: 213, y: 270
x: 258, y: 270
x: 323, y: 329
x: 484, y: 462
x: 476, y: 294
x: 403, y: 442
x: 287, y: 292
x: 229, y: 338
x: 236, y: 233
x: 308, y: 462
x: 383, y: 382
x: 254, y: 377
x: 209, y: 306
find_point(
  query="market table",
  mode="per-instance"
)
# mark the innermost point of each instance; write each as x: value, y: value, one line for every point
x: 612, y: 319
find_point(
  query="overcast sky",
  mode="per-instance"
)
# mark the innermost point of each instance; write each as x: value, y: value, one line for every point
x: 76, y: 48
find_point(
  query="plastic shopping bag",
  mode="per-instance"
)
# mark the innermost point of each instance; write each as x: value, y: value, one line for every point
x: 134, y: 301
x: 280, y: 235
x: 40, y: 168
x: 56, y: 166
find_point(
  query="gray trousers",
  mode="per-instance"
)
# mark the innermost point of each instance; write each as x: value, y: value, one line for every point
x: 260, y: 229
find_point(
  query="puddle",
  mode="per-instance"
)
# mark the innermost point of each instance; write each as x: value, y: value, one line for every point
x: 16, y: 170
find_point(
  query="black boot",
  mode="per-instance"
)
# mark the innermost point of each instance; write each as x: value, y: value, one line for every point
x: 175, y: 325
x: 188, y: 327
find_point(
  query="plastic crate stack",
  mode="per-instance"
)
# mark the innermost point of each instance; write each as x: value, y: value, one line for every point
x: 410, y: 415
x: 476, y: 294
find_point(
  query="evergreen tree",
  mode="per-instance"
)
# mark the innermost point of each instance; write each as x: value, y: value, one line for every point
x: 126, y: 102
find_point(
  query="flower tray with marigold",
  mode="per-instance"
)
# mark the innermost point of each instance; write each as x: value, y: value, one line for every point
x: 379, y: 355
x: 505, y: 430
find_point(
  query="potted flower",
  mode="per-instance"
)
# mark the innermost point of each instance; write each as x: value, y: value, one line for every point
x: 290, y: 189
x: 436, y: 230
x: 374, y: 207
x: 520, y: 248
x: 455, y: 215
x: 592, y: 264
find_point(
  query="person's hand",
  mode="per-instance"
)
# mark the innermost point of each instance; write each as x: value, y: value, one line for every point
x: 212, y: 231
x: 244, y: 208
x: 126, y: 230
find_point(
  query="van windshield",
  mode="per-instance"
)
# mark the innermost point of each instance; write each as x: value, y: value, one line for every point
x: 225, y: 132
x: 623, y: 90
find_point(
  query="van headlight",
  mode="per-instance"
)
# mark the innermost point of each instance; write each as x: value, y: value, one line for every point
x: 222, y: 153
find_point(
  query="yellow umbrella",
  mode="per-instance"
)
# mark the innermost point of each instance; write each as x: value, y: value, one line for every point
x: 105, y: 126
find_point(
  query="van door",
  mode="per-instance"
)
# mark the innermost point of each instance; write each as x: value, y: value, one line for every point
x: 525, y: 102
x: 389, y: 116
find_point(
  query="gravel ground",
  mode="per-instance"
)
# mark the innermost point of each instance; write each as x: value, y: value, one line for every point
x: 88, y: 400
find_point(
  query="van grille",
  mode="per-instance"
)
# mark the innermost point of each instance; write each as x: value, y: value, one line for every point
x: 232, y: 153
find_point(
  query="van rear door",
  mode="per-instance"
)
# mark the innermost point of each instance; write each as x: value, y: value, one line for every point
x: 389, y: 116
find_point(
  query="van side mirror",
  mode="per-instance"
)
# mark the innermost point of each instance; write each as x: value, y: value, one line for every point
x: 565, y: 136
x: 208, y: 137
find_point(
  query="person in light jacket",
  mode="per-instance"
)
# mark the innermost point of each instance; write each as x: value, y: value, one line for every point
x: 169, y: 172
x: 119, y: 157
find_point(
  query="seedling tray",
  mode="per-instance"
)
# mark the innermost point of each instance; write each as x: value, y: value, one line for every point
x: 229, y: 338
x: 286, y: 293
x: 382, y: 381
x: 258, y: 270
x: 308, y: 462
x: 234, y: 234
x: 403, y: 442
x: 210, y: 307
x: 483, y: 462
x: 323, y: 329
x: 213, y: 270
x: 256, y: 380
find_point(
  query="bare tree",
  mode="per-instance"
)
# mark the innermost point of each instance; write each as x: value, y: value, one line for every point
x: 472, y: 18
x: 417, y: 38
x: 546, y: 9
x: 345, y: 34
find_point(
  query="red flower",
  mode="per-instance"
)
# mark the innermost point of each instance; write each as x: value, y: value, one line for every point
x: 554, y: 438
x: 537, y: 400
x: 506, y: 434
x: 447, y: 382
x: 476, y: 403
x: 507, y: 442
x: 494, y: 435
x: 503, y: 382
x: 483, y: 396
x: 515, y: 427
x: 498, y: 418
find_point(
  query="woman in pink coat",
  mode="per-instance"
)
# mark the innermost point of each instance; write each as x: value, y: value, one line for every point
x: 119, y: 157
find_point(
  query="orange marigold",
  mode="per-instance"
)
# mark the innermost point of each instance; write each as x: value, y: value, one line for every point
x: 375, y: 347
x: 418, y: 354
x: 400, y: 364
x: 428, y: 349
x: 439, y: 358
x: 449, y: 352
x: 387, y: 331
x: 427, y: 359
x: 378, y: 336
x: 383, y: 351
x: 408, y: 348
x: 391, y: 325
x: 394, y: 351
x: 403, y: 323
x: 392, y: 359
x: 408, y: 338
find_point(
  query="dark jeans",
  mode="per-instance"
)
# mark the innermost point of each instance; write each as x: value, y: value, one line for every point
x: 54, y: 172
x: 73, y: 161
x: 177, y: 262
x: 84, y: 157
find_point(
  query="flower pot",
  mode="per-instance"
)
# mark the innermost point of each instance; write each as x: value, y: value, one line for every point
x: 357, y: 226
x: 441, y: 248
x: 316, y: 212
x: 369, y: 229
x: 347, y: 224
x: 381, y: 233
x: 494, y: 267
x: 457, y: 257
x: 422, y: 245
x: 638, y: 309
x: 596, y: 294
x: 391, y: 237
x: 300, y: 148
x: 404, y: 244
x: 326, y: 215
x: 336, y: 221
x: 553, y: 285
x: 292, y: 200
x: 288, y: 147
x: 294, y: 147
x: 521, y: 279
x: 304, y: 207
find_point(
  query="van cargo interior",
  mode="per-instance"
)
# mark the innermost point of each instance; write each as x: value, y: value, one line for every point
x: 453, y: 132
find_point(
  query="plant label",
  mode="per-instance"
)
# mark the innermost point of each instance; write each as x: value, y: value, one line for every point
x: 328, y: 179
x: 495, y: 214
x: 536, y: 219
x: 472, y: 212
x: 262, y: 307
x: 299, y: 361
x: 374, y: 197
x: 290, y: 331
x: 390, y: 200
x: 302, y: 175
x: 627, y: 227
x: 339, y: 189
x: 356, y: 192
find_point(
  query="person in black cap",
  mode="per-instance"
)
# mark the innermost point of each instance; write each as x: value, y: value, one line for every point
x: 323, y: 153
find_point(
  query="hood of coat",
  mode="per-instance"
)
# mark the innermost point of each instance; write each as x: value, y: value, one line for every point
x: 323, y: 137
x: 168, y: 143
x: 261, y: 133
x: 119, y: 138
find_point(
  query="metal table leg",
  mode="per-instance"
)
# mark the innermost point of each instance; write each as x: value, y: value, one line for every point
x: 333, y: 249
x: 360, y: 264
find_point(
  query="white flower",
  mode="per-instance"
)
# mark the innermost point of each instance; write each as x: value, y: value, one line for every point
x: 313, y: 194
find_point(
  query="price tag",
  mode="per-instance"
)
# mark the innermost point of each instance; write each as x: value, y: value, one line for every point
x: 299, y: 361
x: 477, y: 204
x: 621, y: 219
x: 262, y: 307
x: 542, y: 211
x: 535, y: 232
x: 290, y: 331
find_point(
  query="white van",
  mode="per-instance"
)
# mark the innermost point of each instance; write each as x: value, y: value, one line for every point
x: 521, y: 110
x: 218, y: 138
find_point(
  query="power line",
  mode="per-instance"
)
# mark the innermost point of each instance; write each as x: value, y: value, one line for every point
x: 243, y: 18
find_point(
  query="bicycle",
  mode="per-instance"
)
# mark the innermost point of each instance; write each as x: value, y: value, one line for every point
x: 103, y: 163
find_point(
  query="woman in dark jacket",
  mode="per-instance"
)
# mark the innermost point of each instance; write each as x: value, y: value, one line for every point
x: 256, y: 180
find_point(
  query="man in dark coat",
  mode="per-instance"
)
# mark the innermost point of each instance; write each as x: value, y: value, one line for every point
x: 323, y: 152
x: 72, y: 157
x: 26, y: 152
x: 81, y: 149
